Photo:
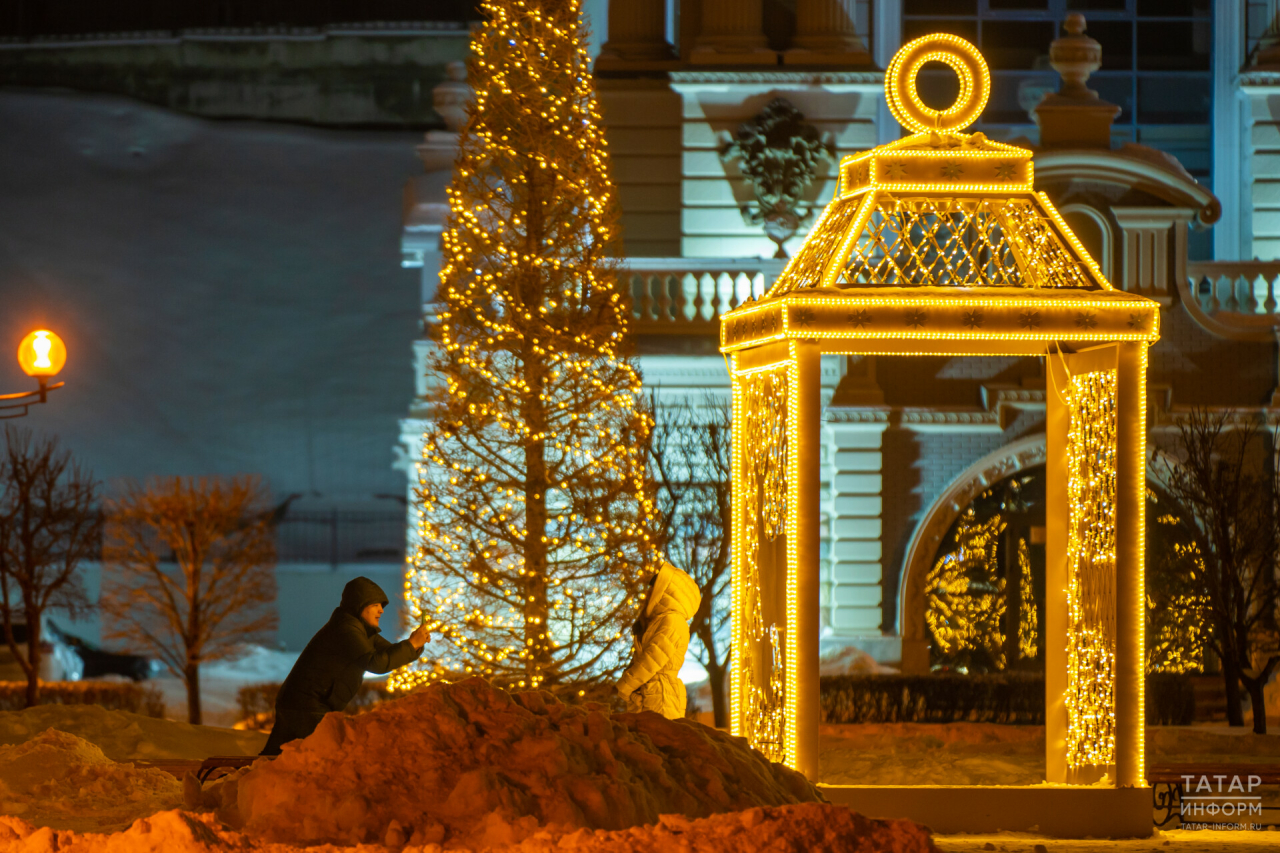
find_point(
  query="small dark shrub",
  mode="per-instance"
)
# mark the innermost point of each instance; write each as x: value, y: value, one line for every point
x: 1016, y: 698
x: 1171, y: 700
x: 114, y: 695
x: 996, y: 698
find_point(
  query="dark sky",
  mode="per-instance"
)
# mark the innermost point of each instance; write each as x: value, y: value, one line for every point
x: 230, y: 292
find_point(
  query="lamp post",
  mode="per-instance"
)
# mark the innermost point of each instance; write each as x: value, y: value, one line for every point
x: 41, y: 354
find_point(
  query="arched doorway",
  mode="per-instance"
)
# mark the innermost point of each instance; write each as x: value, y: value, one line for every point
x: 979, y: 597
x: 934, y: 526
x: 984, y: 593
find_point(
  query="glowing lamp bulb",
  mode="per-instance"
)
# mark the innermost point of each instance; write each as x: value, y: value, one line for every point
x: 42, y: 353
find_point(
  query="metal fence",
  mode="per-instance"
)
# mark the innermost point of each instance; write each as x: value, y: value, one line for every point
x: 341, y: 536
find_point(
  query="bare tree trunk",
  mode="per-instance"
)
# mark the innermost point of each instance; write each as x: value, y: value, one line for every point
x: 719, y: 706
x: 33, y: 657
x: 536, y: 610
x: 1257, y: 697
x: 1258, y: 703
x: 716, y: 669
x: 1231, y: 678
x: 192, y: 676
x: 535, y: 544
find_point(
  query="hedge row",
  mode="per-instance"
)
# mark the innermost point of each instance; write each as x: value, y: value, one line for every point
x: 114, y: 695
x: 1016, y: 698
x: 258, y: 702
x: 999, y: 698
x: 1171, y: 700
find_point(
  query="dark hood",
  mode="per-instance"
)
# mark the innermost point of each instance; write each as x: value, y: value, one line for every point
x: 359, y: 594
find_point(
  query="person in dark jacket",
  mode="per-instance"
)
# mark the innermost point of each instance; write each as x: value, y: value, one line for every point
x: 332, y: 666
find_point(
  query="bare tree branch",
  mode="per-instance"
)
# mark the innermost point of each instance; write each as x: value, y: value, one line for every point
x: 49, y: 525
x: 218, y: 592
x: 689, y: 454
x: 1222, y: 472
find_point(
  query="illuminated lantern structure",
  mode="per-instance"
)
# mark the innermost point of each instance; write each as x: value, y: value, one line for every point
x: 937, y: 244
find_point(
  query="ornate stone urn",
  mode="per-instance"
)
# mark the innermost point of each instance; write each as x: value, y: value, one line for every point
x: 1074, y: 116
x: 1075, y: 56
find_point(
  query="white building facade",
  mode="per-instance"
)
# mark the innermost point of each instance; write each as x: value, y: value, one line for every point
x: 1170, y: 176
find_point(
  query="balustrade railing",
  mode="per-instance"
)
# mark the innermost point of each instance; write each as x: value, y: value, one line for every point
x: 1234, y: 299
x: 688, y: 295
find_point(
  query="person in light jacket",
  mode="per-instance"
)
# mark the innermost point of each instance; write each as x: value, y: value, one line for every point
x: 652, y: 681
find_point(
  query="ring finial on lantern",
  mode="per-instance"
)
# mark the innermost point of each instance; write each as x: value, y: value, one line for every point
x: 904, y: 98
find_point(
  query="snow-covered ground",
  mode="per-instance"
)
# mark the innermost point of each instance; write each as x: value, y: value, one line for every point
x: 990, y: 754
x: 807, y: 827
x: 123, y: 736
x: 1170, y: 841
x: 79, y: 781
x: 66, y: 766
x: 62, y: 781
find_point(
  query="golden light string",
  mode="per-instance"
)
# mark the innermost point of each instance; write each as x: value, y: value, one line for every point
x: 1091, y: 567
x: 467, y: 575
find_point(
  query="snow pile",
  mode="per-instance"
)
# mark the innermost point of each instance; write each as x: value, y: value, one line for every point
x: 851, y: 660
x: 808, y: 827
x: 471, y: 765
x: 165, y: 832
x: 63, y: 781
x: 124, y: 736
x: 253, y: 663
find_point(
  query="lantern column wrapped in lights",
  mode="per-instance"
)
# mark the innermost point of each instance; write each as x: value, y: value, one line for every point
x: 938, y: 244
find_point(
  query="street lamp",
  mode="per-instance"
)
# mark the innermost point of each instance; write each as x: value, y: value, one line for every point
x: 41, y: 354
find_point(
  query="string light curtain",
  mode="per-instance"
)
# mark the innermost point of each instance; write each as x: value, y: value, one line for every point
x: 532, y: 506
x: 1091, y: 569
x: 758, y: 686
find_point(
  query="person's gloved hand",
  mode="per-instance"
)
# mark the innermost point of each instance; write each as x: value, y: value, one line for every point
x: 420, y: 637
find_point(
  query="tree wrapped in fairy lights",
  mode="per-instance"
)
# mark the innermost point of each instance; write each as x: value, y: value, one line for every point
x: 532, y: 502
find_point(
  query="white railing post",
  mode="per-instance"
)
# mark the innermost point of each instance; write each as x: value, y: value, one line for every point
x: 1233, y: 299
x: 693, y: 293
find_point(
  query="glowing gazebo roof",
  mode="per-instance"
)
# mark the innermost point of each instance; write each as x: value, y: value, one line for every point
x: 941, y: 235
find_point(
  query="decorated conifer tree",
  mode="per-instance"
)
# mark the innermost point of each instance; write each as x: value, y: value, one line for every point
x: 532, y: 503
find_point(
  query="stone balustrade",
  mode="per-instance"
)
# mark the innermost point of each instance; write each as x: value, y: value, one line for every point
x: 688, y: 295
x: 1234, y: 299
